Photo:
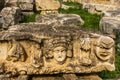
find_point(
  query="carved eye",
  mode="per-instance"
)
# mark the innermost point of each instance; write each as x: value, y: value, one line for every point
x: 56, y: 51
x: 101, y: 47
x: 63, y: 50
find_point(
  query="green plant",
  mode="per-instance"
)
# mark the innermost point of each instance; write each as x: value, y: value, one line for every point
x: 73, y: 5
x: 113, y: 74
x: 29, y: 18
x: 91, y: 20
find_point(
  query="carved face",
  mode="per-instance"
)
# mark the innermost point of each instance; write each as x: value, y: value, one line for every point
x: 104, y: 54
x: 60, y: 54
x: 105, y: 49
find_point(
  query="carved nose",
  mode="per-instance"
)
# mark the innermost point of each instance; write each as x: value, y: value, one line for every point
x: 59, y: 52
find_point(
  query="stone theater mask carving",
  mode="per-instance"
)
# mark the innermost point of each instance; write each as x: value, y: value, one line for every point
x: 104, y: 49
x: 60, y: 53
x: 58, y: 49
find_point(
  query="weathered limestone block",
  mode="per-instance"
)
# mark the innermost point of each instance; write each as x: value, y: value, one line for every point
x: 26, y: 5
x: 90, y: 77
x: 60, y: 19
x: 38, y: 48
x: 113, y: 13
x: 94, y: 1
x: 117, y: 2
x: 51, y: 7
x: 10, y: 16
x: 22, y: 4
x: 9, y: 3
x: 102, y: 1
x: 108, y: 24
x: 99, y: 8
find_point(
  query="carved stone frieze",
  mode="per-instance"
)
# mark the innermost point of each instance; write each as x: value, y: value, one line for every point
x: 16, y: 52
x: 39, y: 48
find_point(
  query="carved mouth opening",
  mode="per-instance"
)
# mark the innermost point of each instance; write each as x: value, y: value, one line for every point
x: 104, y: 54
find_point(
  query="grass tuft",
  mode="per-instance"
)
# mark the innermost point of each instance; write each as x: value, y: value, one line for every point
x: 91, y: 20
x: 29, y: 18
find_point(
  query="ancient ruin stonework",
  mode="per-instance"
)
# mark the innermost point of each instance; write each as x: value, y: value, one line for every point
x: 10, y: 16
x: 52, y: 45
x: 34, y: 5
x: 22, y: 4
x: 98, y: 6
x: 95, y: 1
x: 51, y: 7
x: 60, y: 19
x: 110, y: 24
x: 37, y: 48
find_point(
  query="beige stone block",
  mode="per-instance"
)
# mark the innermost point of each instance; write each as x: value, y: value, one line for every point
x: 47, y: 5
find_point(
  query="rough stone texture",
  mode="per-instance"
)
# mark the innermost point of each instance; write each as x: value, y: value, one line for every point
x: 90, y: 77
x: 10, y: 16
x: 60, y: 19
x: 50, y: 46
x: 110, y: 21
x: 113, y: 13
x: 26, y: 4
x: 51, y: 7
x: 48, y: 78
x: 9, y: 3
x: 113, y: 2
x: 117, y: 2
x: 102, y: 1
x: 37, y: 48
x: 108, y: 24
x: 22, y: 4
x: 99, y: 8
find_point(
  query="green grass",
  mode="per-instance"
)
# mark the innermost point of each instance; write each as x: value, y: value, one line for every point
x: 91, y: 20
x: 113, y: 74
x: 74, y: 5
x: 29, y: 18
